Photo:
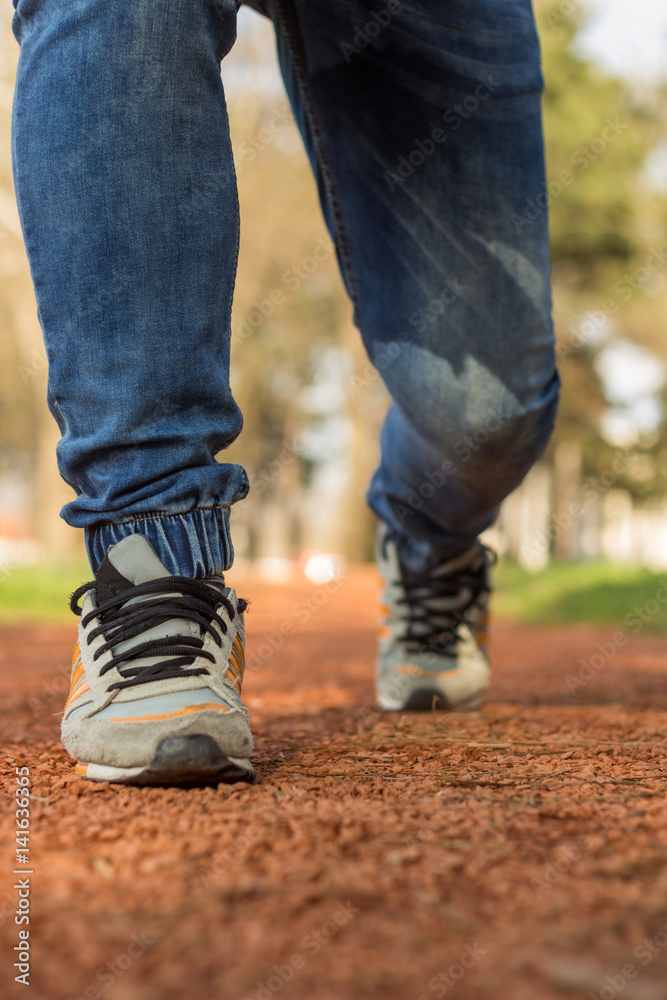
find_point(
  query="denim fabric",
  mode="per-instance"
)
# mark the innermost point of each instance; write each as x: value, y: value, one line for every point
x: 189, y: 544
x: 422, y: 122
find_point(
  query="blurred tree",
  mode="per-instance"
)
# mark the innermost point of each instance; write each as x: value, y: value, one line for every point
x: 606, y: 224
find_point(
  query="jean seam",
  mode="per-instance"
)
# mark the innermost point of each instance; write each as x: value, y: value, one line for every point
x: 154, y: 517
x: 237, y: 212
x: 294, y: 41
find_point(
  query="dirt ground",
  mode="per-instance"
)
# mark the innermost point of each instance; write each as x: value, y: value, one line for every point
x: 514, y: 853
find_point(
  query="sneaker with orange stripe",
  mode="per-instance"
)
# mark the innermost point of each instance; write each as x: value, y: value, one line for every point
x: 155, y: 694
x: 433, y: 636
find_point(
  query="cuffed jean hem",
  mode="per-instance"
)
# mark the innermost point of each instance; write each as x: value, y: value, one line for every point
x: 196, y: 543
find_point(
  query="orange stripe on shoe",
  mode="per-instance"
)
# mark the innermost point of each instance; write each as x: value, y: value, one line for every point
x: 234, y: 673
x: 76, y: 676
x: 237, y: 658
x: 411, y: 671
x: 205, y: 706
x: 233, y: 665
x: 82, y: 688
x: 237, y: 645
x: 76, y: 654
x: 81, y: 769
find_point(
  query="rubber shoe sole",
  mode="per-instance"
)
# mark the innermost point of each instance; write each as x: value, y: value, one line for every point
x: 429, y: 700
x: 180, y: 761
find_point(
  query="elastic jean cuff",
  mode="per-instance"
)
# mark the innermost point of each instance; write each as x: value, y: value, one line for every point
x: 195, y: 544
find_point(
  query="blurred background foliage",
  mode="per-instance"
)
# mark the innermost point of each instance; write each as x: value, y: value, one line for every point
x: 310, y: 435
x: 604, y: 226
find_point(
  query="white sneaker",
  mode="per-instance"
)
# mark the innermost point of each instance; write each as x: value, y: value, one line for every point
x: 433, y: 637
x: 155, y: 696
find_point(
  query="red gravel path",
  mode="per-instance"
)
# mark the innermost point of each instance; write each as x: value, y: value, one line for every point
x: 516, y: 853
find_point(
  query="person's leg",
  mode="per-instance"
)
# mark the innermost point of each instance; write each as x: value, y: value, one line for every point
x: 422, y: 122
x: 127, y: 195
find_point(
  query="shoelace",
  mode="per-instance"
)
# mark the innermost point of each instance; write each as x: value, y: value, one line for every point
x: 196, y: 601
x: 435, y: 630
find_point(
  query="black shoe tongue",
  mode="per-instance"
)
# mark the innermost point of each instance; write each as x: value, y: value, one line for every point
x: 109, y: 581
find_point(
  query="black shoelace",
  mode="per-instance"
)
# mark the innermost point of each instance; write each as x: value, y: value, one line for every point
x: 192, y: 600
x: 435, y: 630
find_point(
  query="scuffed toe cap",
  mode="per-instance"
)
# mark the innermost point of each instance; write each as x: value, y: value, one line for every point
x: 134, y: 744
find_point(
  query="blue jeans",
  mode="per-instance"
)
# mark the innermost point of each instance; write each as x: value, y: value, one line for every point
x: 421, y: 119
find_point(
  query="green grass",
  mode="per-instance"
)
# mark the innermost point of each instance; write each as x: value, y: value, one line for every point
x: 562, y: 594
x: 40, y: 593
x: 567, y: 593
